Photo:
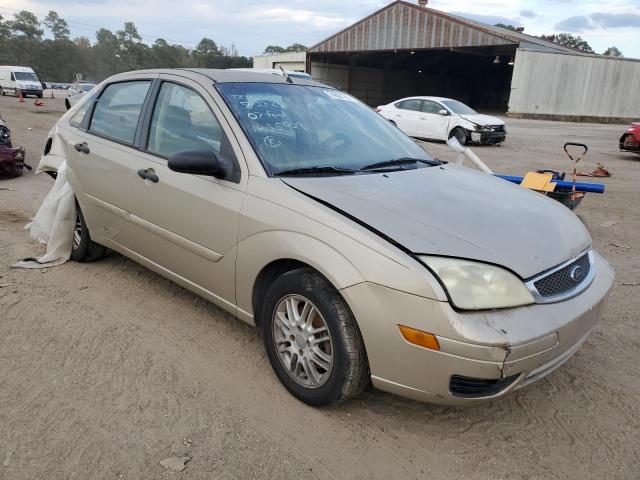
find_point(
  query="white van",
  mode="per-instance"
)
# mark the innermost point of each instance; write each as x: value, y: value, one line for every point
x: 19, y: 79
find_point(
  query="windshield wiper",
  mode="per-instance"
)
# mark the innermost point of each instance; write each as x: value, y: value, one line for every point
x: 398, y: 162
x: 322, y: 169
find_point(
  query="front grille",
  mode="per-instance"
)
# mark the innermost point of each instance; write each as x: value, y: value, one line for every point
x: 466, y: 387
x: 564, y: 280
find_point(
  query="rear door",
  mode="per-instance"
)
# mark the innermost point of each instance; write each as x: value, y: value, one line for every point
x: 187, y: 223
x: 407, y: 115
x: 98, y: 145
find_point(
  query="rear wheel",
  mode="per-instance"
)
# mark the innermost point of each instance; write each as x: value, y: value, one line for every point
x: 459, y: 135
x: 83, y: 249
x: 312, y: 340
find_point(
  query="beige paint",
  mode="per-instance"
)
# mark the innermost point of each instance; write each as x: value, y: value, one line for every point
x: 214, y: 238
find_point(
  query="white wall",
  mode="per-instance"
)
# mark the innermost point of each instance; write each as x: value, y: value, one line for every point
x: 288, y: 61
x: 575, y: 86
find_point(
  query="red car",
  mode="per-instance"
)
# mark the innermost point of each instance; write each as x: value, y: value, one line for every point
x: 630, y: 140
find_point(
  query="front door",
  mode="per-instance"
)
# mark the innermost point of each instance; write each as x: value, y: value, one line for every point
x: 188, y: 223
x: 431, y: 123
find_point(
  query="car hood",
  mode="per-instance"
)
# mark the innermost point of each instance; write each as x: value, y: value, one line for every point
x: 483, y: 119
x: 458, y: 212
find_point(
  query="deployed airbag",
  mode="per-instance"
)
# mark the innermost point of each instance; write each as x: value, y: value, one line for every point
x: 54, y: 224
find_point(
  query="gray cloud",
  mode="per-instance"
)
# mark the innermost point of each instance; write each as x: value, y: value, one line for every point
x: 575, y: 24
x: 528, y: 14
x: 599, y: 20
x: 615, y: 20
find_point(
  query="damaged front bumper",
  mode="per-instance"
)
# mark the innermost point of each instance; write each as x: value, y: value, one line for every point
x: 483, y: 355
x: 629, y: 143
x: 490, y: 138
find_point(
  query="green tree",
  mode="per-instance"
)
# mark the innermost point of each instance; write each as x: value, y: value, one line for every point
x: 27, y: 24
x: 507, y: 26
x: 5, y: 29
x: 613, y: 52
x: 57, y: 26
x: 296, y: 47
x: 82, y: 42
x: 569, y: 40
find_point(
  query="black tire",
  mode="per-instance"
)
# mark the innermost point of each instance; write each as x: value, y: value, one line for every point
x: 349, y: 375
x: 2, y: 92
x: 84, y: 249
x: 40, y: 95
x: 460, y: 135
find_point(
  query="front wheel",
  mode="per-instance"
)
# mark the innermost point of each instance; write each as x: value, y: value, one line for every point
x: 460, y: 135
x: 312, y: 340
x: 83, y: 249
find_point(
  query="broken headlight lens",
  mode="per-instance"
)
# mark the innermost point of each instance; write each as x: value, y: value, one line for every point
x: 479, y: 286
x: 485, y: 128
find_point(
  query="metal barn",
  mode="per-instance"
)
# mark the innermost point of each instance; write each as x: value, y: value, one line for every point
x: 407, y: 49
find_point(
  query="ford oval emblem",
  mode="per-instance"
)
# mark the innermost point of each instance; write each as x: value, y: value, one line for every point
x: 577, y: 274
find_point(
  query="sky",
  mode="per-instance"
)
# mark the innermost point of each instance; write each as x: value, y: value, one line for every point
x: 252, y: 25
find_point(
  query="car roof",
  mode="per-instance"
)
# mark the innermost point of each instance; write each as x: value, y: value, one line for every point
x: 436, y: 99
x: 226, y: 76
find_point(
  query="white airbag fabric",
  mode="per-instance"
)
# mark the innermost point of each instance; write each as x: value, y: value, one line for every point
x: 54, y: 224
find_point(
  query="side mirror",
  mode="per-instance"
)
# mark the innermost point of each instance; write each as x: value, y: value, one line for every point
x: 197, y: 162
x: 443, y: 112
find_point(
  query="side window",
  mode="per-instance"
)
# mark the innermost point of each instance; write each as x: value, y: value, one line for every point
x: 431, y: 107
x: 412, y: 104
x: 182, y: 120
x: 77, y: 118
x: 118, y: 109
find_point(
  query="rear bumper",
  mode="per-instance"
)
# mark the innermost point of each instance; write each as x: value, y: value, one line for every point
x: 522, y: 344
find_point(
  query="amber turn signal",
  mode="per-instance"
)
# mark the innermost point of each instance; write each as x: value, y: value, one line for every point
x: 420, y: 338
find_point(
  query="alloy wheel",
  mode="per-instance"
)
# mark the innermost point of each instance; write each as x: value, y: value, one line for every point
x: 77, y: 233
x: 302, y: 341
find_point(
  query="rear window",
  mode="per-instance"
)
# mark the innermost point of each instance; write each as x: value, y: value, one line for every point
x: 117, y: 111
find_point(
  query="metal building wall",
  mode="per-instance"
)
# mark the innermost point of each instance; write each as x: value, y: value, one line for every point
x: 288, y: 60
x: 575, y: 87
x: 405, y: 26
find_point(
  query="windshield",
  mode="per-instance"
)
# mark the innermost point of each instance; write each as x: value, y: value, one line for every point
x: 459, y: 107
x: 26, y: 76
x: 298, y: 127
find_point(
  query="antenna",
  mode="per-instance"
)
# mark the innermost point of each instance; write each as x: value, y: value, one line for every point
x: 286, y: 75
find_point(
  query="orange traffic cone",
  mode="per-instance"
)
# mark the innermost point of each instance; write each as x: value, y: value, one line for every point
x: 21, y: 100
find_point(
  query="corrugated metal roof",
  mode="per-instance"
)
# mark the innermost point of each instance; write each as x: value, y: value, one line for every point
x: 403, y: 25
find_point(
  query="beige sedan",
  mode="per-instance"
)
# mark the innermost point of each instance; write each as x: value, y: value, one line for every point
x: 298, y: 209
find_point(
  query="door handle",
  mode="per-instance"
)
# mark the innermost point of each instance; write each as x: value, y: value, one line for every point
x: 82, y: 147
x: 149, y: 174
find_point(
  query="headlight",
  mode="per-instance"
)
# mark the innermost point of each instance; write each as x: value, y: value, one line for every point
x: 485, y: 128
x: 479, y: 286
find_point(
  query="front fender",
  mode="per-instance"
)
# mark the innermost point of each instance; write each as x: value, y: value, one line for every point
x: 259, y: 250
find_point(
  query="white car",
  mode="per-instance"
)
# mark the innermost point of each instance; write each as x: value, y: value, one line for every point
x: 442, y: 118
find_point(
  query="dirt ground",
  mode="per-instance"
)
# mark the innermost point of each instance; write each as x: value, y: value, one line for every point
x: 107, y: 368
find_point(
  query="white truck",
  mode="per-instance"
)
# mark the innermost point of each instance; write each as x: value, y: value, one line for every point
x: 17, y: 80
